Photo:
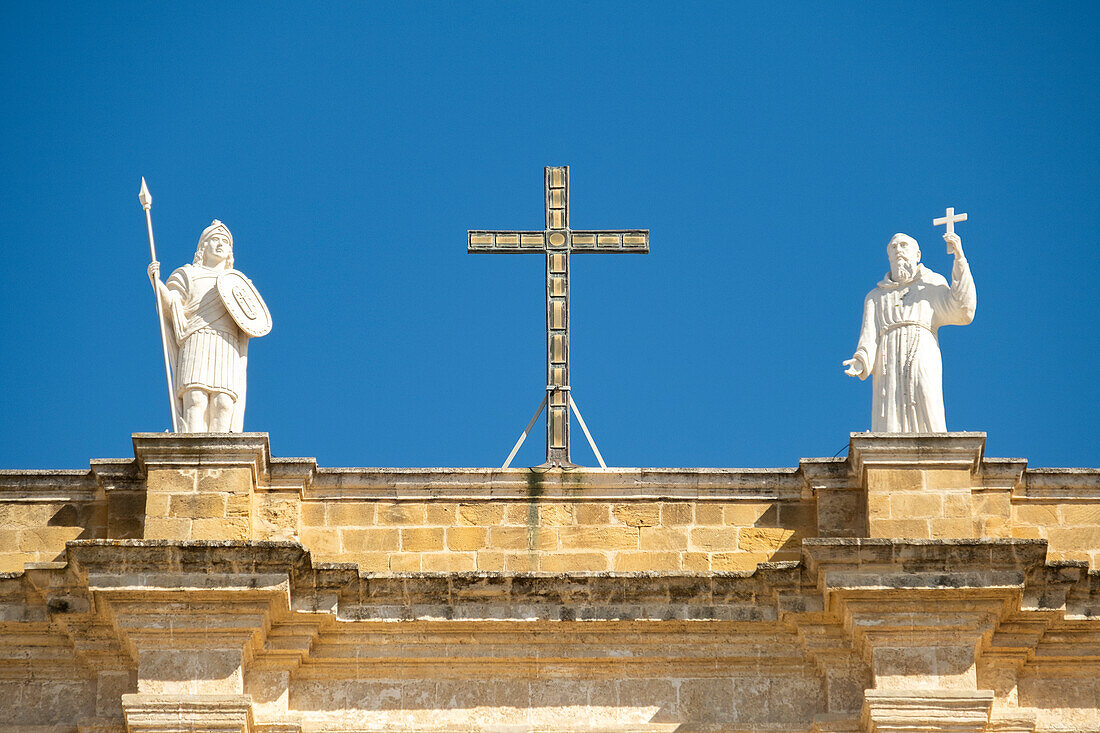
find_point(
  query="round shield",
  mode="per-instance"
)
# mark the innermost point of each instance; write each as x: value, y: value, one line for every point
x: 244, y: 303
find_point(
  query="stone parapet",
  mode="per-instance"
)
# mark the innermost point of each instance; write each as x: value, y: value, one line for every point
x: 915, y: 584
x: 619, y: 519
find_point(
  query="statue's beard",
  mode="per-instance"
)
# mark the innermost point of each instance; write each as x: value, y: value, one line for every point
x: 904, y: 270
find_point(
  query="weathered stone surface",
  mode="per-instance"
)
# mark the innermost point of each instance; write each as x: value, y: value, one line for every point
x: 480, y: 599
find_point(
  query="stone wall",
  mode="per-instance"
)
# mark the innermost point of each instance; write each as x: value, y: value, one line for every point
x: 407, y: 520
x: 915, y: 584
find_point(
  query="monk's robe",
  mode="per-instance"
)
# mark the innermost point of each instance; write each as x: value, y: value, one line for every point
x: 899, y: 346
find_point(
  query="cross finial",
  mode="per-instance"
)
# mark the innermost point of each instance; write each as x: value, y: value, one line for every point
x: 949, y: 218
x: 557, y: 242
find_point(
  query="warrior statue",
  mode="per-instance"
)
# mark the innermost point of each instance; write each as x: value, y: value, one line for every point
x: 898, y: 343
x: 209, y: 312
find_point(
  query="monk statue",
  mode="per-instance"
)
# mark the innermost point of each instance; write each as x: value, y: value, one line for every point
x: 898, y: 342
x: 209, y: 313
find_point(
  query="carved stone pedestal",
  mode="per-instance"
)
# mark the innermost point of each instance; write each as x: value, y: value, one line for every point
x: 201, y: 486
x: 918, y: 485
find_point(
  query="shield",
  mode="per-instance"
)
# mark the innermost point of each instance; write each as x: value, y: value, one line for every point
x: 244, y: 303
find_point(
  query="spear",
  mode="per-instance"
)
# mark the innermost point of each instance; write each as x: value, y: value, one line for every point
x: 146, y: 200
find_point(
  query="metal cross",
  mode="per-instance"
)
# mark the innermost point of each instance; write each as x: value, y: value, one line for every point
x: 557, y: 241
x: 949, y: 218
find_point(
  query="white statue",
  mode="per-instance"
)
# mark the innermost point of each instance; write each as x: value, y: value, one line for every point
x: 209, y: 312
x: 898, y: 341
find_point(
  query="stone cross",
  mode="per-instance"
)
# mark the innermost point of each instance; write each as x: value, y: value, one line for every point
x: 949, y: 218
x: 556, y: 241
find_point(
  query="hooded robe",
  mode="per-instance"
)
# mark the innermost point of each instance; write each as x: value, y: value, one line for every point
x: 899, y: 345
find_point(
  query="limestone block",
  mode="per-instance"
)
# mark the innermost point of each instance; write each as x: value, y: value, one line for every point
x: 737, y: 561
x: 126, y: 514
x: 188, y: 670
x: 422, y: 539
x: 480, y: 515
x: 598, y: 538
x: 465, y: 539
x: 399, y: 562
x: 448, y: 562
x: 695, y: 562
x: 678, y: 514
x: 443, y: 515
x: 565, y: 562
x: 111, y: 685
x: 755, y: 514
x: 228, y: 480
x: 844, y: 513
x: 523, y: 538
x: 714, y: 539
x: 709, y: 513
x: 402, y: 514
x: 520, y: 513
x: 764, y: 539
x: 157, y: 528
x: 320, y: 541
x: 349, y: 514
x: 313, y: 514
x: 637, y: 515
x: 555, y: 514
x: 369, y: 539
x: 646, y: 561
x: 195, y: 506
x: 229, y: 528
x: 270, y: 693
x: 663, y: 538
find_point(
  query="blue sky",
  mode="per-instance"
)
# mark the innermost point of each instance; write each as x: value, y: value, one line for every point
x: 771, y: 149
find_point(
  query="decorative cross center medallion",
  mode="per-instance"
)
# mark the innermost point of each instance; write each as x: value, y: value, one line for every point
x: 557, y: 241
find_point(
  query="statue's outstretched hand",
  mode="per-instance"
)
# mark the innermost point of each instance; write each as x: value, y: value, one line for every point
x: 954, y: 245
x: 855, y: 366
x: 154, y: 271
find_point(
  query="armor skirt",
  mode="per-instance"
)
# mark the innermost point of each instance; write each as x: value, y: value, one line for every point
x: 210, y: 360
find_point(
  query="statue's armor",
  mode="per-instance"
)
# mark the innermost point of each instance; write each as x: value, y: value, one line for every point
x: 208, y: 337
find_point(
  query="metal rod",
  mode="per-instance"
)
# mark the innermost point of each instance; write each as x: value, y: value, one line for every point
x: 147, y: 203
x: 573, y: 405
x: 523, y: 437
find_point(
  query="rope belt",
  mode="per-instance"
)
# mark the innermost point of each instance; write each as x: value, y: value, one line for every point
x: 907, y: 368
x: 899, y: 324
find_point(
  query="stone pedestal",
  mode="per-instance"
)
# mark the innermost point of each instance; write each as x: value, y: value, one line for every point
x: 918, y: 485
x: 201, y: 486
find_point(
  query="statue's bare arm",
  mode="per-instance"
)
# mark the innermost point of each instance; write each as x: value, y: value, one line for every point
x: 163, y: 292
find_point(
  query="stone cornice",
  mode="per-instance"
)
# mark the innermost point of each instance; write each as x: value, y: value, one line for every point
x: 303, y: 475
x: 915, y: 450
x: 206, y: 450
